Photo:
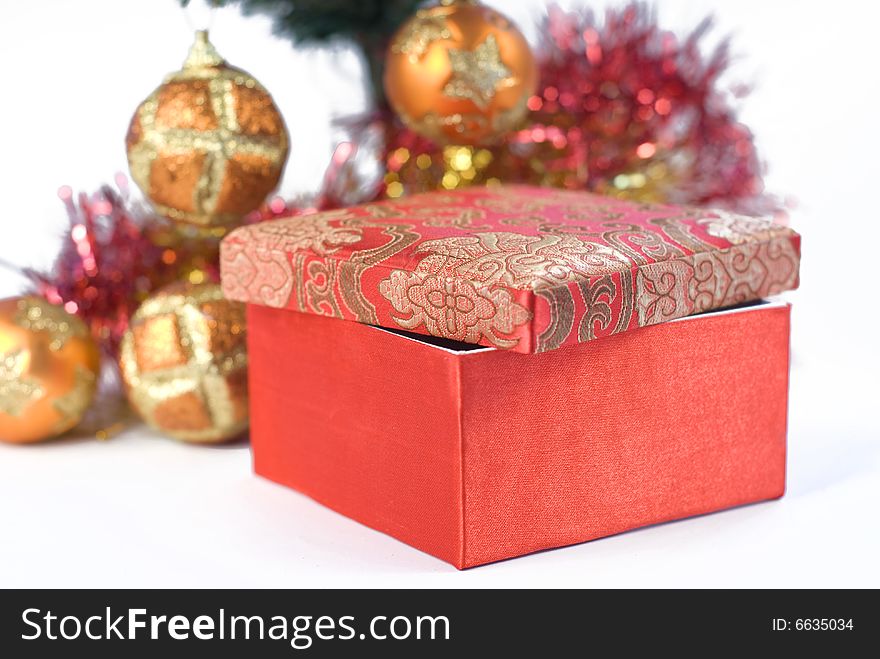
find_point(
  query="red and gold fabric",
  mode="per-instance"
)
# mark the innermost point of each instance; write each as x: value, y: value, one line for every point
x: 520, y: 268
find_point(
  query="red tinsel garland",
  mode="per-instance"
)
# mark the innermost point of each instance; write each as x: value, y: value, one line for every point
x: 624, y: 108
x: 107, y: 263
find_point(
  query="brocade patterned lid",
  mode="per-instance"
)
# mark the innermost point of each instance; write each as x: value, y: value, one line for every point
x: 520, y: 268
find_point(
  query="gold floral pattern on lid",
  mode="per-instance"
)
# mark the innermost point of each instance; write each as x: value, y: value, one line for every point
x: 454, y: 308
x: 519, y: 268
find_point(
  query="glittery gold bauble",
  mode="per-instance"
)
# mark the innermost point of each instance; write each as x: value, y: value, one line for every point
x: 208, y: 145
x: 460, y: 73
x: 49, y: 366
x: 184, y: 363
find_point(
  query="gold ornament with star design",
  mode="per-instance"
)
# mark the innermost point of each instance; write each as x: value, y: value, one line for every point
x: 49, y: 365
x: 208, y: 145
x: 460, y: 73
x: 184, y: 363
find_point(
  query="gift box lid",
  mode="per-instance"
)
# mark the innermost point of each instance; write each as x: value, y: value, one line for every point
x: 521, y: 268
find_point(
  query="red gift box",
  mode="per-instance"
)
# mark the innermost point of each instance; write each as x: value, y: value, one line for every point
x: 476, y: 454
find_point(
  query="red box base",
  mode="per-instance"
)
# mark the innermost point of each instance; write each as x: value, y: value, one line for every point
x: 480, y: 455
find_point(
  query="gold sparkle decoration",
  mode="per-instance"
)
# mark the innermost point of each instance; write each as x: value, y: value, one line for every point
x: 460, y: 73
x: 208, y: 145
x: 49, y: 365
x: 71, y: 404
x: 417, y: 36
x: 17, y: 391
x: 476, y: 74
x: 184, y: 363
x: 37, y: 315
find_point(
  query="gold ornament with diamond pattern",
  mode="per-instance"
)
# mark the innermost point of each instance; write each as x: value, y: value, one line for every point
x: 184, y: 363
x: 460, y: 73
x: 208, y: 145
x: 49, y: 366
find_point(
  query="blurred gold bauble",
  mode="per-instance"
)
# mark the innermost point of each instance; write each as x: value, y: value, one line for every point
x: 208, y: 145
x: 184, y: 363
x: 460, y: 73
x: 49, y: 366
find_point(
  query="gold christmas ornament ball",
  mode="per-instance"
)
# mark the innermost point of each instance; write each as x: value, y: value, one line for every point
x: 184, y: 363
x: 460, y: 73
x: 208, y: 145
x: 49, y: 365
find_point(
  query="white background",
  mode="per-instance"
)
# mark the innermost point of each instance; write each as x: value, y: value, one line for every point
x: 142, y: 510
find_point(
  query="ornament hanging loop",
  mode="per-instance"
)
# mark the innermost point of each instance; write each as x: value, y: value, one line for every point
x: 201, y: 18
